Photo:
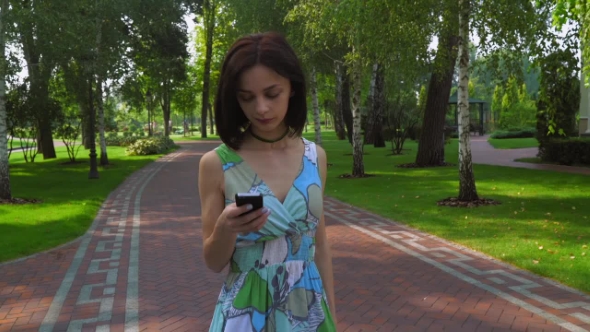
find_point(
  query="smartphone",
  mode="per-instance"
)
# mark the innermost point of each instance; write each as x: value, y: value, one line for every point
x: 249, y: 198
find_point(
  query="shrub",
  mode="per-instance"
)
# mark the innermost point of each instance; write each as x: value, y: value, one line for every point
x: 120, y: 141
x: 69, y: 132
x: 126, y: 141
x: 566, y: 151
x: 112, y: 140
x: 524, y: 132
x: 149, y: 146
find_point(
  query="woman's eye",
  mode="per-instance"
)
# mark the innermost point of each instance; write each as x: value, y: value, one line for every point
x: 246, y: 99
x: 272, y: 96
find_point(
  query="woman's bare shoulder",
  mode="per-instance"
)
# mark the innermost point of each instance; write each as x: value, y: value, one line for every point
x: 210, y: 168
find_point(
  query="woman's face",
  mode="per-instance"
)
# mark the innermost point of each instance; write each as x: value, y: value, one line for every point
x: 264, y: 96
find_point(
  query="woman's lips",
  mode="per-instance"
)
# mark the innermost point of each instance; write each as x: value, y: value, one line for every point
x: 264, y: 121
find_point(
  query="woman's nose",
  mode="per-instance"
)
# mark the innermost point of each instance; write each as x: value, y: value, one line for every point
x: 261, y: 106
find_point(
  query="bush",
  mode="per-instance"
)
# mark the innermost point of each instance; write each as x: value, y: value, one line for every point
x: 524, y: 132
x: 149, y: 146
x: 566, y: 151
x: 120, y: 141
x: 521, y: 114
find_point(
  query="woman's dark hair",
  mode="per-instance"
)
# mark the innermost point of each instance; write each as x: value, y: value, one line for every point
x: 270, y: 50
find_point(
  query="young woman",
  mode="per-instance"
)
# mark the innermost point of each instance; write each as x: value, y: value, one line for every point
x: 280, y: 266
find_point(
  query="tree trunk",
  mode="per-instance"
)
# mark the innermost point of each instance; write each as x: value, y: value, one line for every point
x: 431, y: 148
x: 5, y: 192
x: 346, y: 107
x: 378, y: 140
x: 358, y: 166
x: 211, y: 120
x: 316, y: 108
x: 209, y: 30
x: 467, y: 189
x: 374, y: 124
x: 368, y: 137
x: 47, y: 146
x: 165, y: 103
x: 104, y: 158
x: 39, y: 69
x: 338, y: 119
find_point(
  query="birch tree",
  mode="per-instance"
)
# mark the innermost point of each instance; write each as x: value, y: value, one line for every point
x: 316, y: 107
x: 467, y: 189
x: 5, y: 192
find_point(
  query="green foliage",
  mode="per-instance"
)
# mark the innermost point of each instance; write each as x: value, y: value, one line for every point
x: 497, y: 102
x: 422, y: 99
x: 114, y: 140
x: 566, y: 151
x: 150, y: 146
x: 514, y: 133
x: 514, y: 143
x: 402, y: 116
x: 69, y: 132
x: 510, y: 97
x: 520, y: 114
x: 559, y: 97
x: 579, y: 12
x: 517, y: 110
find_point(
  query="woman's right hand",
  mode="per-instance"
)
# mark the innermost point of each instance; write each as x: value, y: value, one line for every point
x: 242, y: 220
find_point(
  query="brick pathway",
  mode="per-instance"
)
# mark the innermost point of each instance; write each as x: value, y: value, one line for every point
x: 140, y: 267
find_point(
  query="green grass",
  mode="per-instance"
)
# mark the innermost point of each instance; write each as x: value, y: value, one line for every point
x: 179, y: 138
x: 70, y: 201
x: 15, y: 144
x: 513, y: 143
x: 540, y: 209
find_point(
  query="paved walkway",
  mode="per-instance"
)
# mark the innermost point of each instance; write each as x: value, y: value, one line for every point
x: 484, y: 153
x: 140, y: 267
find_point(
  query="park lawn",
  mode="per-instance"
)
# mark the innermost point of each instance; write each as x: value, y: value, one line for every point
x: 15, y: 144
x: 542, y: 225
x: 310, y: 134
x: 181, y: 138
x: 514, y: 143
x: 69, y: 200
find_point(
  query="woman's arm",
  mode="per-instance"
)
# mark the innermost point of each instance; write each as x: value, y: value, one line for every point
x: 218, y: 243
x: 323, y: 257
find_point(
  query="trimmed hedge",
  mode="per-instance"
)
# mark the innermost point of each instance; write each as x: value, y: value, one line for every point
x: 566, y: 151
x: 149, y: 146
x: 514, y: 133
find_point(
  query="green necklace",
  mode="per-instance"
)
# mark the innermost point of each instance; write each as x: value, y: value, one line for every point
x: 269, y: 140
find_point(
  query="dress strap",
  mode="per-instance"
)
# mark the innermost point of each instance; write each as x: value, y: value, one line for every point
x: 311, y: 152
x: 227, y: 156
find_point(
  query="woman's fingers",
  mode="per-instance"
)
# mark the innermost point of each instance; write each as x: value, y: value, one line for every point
x: 236, y: 211
x: 250, y: 216
x: 254, y: 221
